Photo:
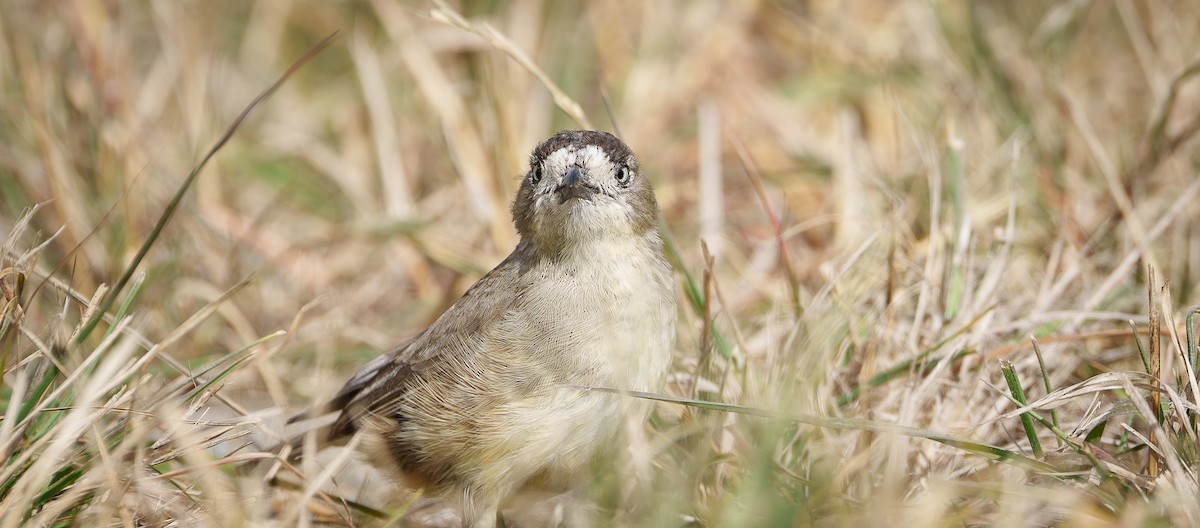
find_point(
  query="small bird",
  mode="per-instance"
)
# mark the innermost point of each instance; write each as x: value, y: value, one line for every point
x: 486, y: 401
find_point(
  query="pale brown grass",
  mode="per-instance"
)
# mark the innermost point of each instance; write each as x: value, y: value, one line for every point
x: 895, y: 197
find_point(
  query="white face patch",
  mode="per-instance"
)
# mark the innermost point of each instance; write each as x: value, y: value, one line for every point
x: 607, y: 213
x: 591, y: 158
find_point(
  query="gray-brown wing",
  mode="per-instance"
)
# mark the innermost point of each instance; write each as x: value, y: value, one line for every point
x: 378, y: 384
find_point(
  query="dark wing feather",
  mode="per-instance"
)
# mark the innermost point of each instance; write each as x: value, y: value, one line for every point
x: 378, y: 384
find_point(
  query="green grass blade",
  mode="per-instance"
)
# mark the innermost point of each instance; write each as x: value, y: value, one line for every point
x: 991, y: 452
x: 34, y: 396
x: 1018, y: 394
x: 907, y: 365
x: 695, y: 296
x: 238, y: 357
x: 123, y: 310
x: 65, y: 477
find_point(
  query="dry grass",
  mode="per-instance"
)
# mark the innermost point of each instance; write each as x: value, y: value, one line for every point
x: 915, y: 238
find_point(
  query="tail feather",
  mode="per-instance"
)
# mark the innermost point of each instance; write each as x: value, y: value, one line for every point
x: 335, y: 424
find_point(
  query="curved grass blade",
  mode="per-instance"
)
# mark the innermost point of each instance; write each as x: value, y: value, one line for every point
x: 989, y: 451
x: 908, y: 364
x: 169, y: 212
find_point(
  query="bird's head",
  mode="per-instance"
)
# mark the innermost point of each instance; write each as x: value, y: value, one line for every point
x: 583, y: 186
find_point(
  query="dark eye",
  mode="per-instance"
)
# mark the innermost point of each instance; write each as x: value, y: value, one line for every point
x: 624, y: 176
x: 535, y: 175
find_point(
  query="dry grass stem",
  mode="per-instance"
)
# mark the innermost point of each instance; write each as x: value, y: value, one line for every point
x: 938, y: 262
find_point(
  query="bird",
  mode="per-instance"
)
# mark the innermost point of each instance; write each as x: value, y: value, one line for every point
x: 488, y: 399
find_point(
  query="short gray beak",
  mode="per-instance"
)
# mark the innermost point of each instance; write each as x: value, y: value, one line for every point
x: 574, y: 185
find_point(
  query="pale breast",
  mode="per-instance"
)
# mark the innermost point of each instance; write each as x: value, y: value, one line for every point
x: 592, y: 322
x: 608, y: 315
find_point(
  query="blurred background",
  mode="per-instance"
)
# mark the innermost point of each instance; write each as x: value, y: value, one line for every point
x: 894, y: 194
